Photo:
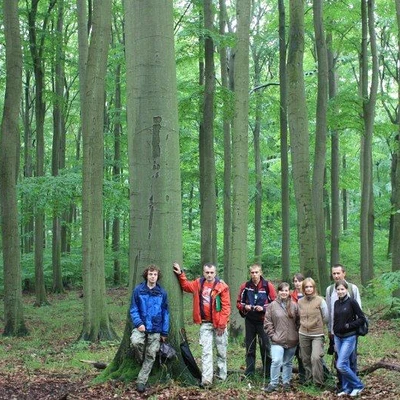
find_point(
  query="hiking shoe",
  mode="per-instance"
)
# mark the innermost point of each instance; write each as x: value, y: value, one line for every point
x: 140, y: 387
x: 287, y: 387
x: 270, y: 388
x: 356, y: 392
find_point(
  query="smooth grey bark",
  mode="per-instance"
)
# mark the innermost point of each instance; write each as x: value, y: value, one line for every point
x: 335, y: 162
x: 223, y: 55
x: 37, y: 46
x: 369, y: 96
x: 208, y: 200
x: 396, y: 196
x: 320, y: 144
x: 14, y: 324
x: 96, y: 323
x: 154, y: 170
x: 238, y: 268
x: 58, y: 155
x: 283, y: 119
x: 299, y: 140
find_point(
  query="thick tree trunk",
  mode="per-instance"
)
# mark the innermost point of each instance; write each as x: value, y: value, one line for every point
x: 14, y: 324
x: 153, y: 149
x: 299, y: 140
x: 208, y: 207
x: 240, y: 167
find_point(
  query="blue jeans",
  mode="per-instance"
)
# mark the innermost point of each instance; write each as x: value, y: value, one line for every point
x: 345, y: 347
x: 281, y: 357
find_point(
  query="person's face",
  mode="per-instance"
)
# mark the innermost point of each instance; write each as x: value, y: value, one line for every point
x: 152, y: 276
x: 338, y: 274
x: 255, y: 274
x: 297, y: 284
x: 209, y: 273
x: 341, y: 291
x: 308, y: 289
x: 284, y: 292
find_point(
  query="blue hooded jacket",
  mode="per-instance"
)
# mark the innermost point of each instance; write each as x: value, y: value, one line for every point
x: 149, y: 307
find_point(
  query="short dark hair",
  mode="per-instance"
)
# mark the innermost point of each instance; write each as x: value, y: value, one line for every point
x: 338, y: 265
x: 151, y: 267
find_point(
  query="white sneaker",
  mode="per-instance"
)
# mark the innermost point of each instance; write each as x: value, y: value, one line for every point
x: 342, y: 394
x: 356, y: 392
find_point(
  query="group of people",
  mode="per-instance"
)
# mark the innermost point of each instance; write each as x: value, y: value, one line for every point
x: 286, y: 324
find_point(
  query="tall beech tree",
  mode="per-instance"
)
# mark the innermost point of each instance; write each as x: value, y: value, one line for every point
x: 153, y: 150
x: 320, y: 142
x: 283, y: 128
x: 96, y: 322
x: 369, y: 96
x: 208, y: 201
x: 37, y: 39
x: 299, y: 140
x: 396, y: 189
x: 14, y: 324
x: 238, y: 267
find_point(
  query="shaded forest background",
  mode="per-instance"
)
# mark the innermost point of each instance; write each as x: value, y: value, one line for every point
x: 274, y: 138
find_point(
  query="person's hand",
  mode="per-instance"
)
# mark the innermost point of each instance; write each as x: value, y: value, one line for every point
x: 163, y: 338
x: 259, y: 308
x: 141, y: 328
x: 247, y: 307
x: 177, y: 268
x: 220, y: 331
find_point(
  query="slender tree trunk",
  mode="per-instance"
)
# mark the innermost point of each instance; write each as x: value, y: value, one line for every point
x: 299, y: 140
x: 285, y: 200
x: 116, y: 225
x: 396, y: 196
x: 240, y: 167
x: 96, y: 324
x: 369, y: 102
x: 335, y: 163
x: 28, y: 165
x: 227, y: 144
x: 208, y: 207
x: 37, y: 49
x: 57, y: 154
x: 14, y: 324
x: 320, y: 143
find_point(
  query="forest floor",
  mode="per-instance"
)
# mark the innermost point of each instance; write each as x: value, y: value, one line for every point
x: 47, y: 364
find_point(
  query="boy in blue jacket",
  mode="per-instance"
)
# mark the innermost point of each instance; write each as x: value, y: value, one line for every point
x: 150, y: 317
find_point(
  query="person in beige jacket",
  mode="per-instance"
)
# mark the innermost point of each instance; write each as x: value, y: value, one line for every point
x: 281, y: 325
x: 313, y: 317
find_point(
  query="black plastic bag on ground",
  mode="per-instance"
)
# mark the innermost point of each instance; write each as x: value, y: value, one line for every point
x: 188, y: 358
x: 167, y: 352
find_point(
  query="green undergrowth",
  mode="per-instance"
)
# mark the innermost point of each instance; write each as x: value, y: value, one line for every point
x: 52, y: 347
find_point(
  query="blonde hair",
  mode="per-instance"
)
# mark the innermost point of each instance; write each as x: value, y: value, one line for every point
x: 309, y: 280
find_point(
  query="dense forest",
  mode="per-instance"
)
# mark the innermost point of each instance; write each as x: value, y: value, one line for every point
x: 195, y: 131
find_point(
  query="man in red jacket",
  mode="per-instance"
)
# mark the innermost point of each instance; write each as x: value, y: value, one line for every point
x: 211, y: 310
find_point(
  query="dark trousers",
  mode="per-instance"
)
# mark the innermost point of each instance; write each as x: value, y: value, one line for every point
x: 255, y: 332
x: 302, y: 371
